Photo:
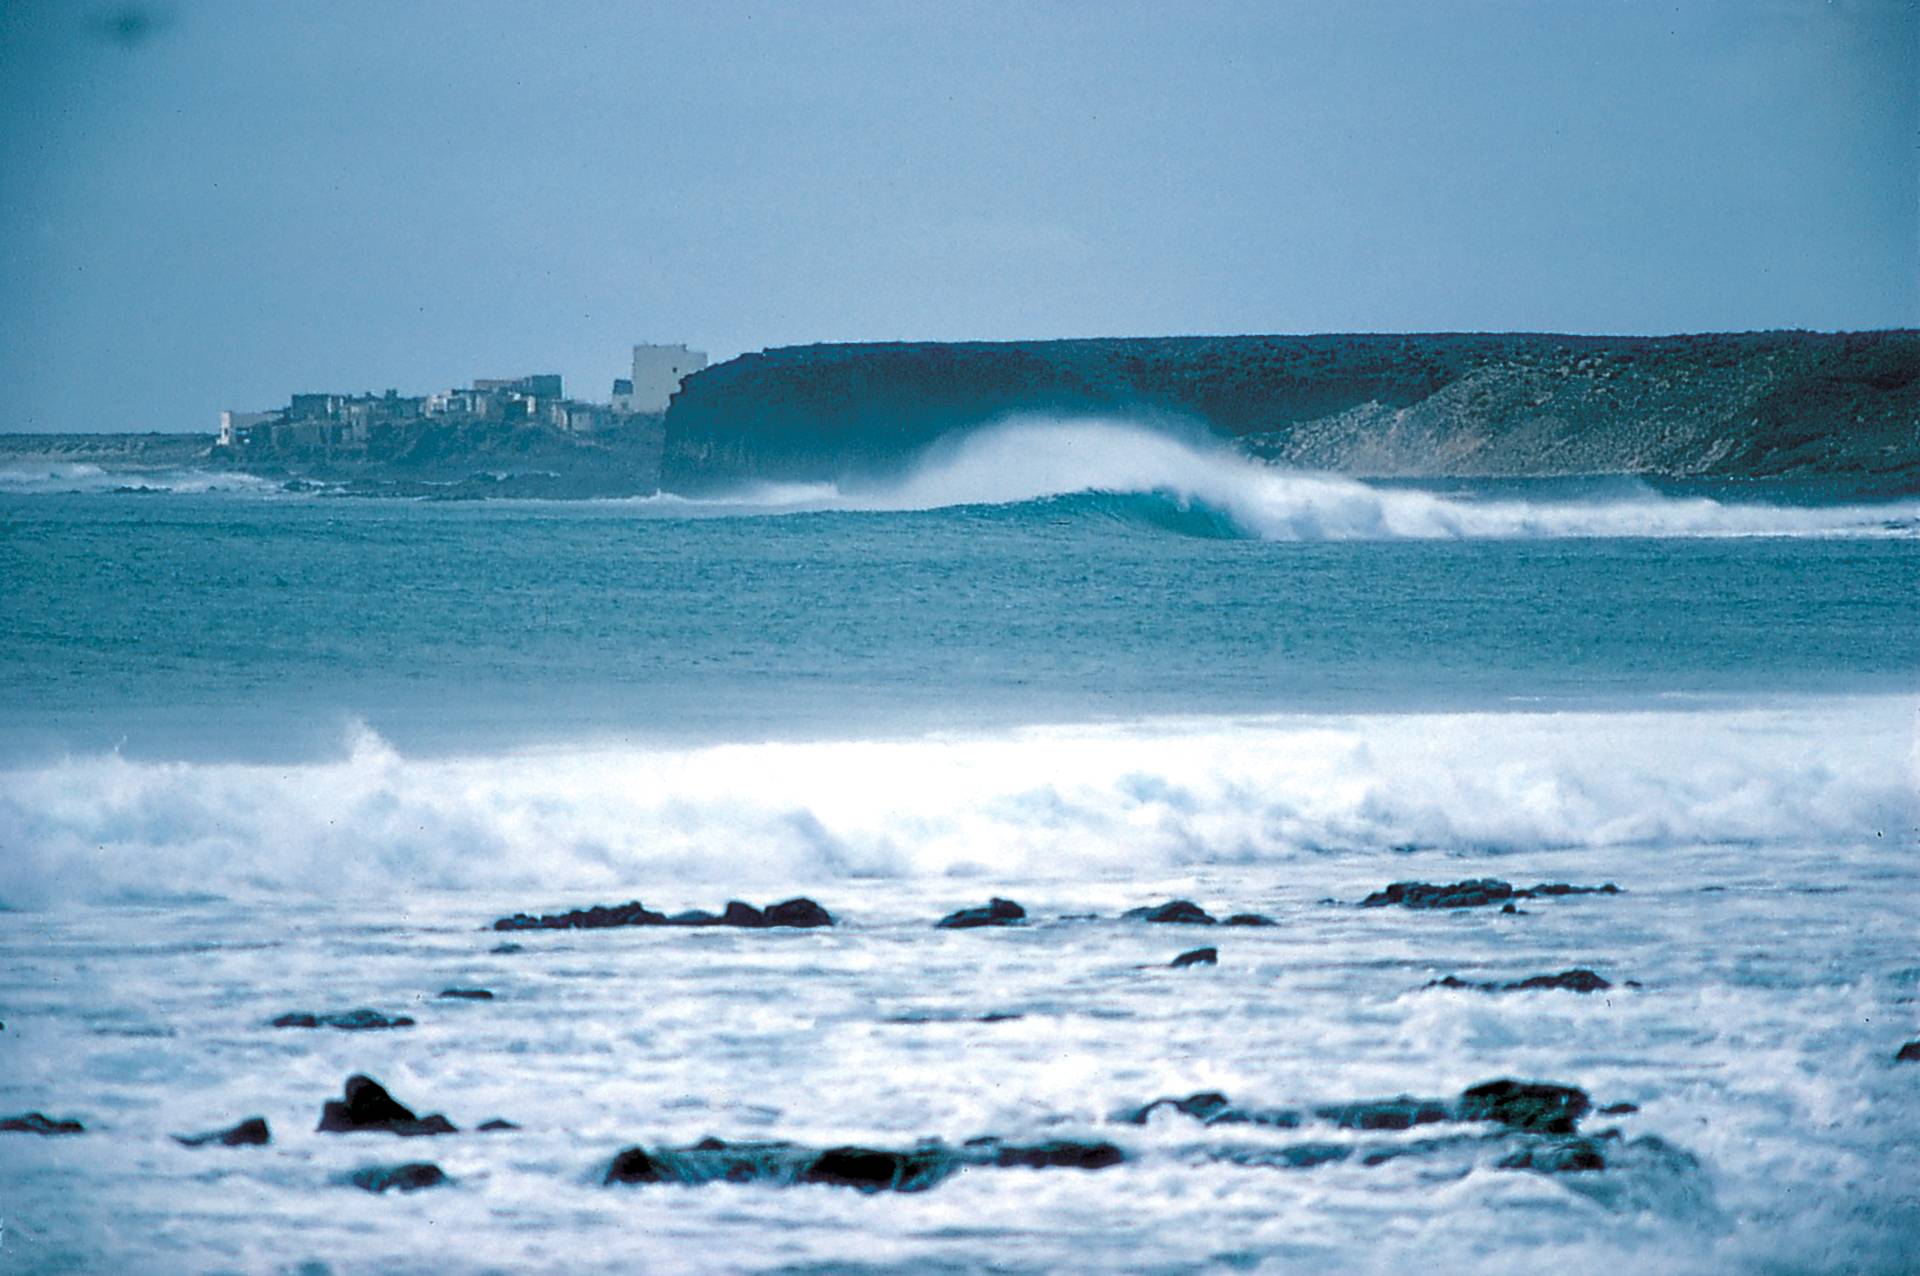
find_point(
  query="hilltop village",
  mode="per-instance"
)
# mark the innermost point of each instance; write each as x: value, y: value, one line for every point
x: 346, y: 427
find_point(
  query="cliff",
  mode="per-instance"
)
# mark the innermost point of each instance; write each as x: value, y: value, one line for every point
x: 1772, y: 404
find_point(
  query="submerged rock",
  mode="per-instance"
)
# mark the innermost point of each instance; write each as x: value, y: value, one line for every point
x: 1526, y: 1105
x: 1250, y: 919
x: 1570, y: 1156
x: 467, y: 994
x: 1540, y: 1107
x: 251, y: 1132
x: 1401, y: 1113
x: 495, y: 1126
x: 1198, y: 957
x: 39, y: 1123
x: 949, y: 1016
x: 1177, y: 911
x: 410, y: 1177
x: 878, y: 1170
x: 1476, y: 893
x: 1579, y: 979
x: 997, y: 912
x: 368, y: 1106
x: 865, y: 1169
x: 362, y: 1020
x: 800, y: 912
x: 1208, y: 1106
x: 1909, y: 1053
x: 1054, y: 1154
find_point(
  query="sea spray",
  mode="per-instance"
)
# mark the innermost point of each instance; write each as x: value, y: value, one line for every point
x: 1145, y: 796
x: 1028, y: 460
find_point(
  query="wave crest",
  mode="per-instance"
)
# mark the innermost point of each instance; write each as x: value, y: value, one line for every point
x: 1209, y: 489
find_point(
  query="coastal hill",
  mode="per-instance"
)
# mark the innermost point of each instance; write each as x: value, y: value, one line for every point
x: 1767, y: 404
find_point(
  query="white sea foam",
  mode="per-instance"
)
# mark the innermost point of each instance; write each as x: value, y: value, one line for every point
x: 29, y: 477
x: 1066, y: 801
x: 1030, y: 459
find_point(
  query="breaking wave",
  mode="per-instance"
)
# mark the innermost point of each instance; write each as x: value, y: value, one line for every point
x: 1042, y: 802
x: 1212, y: 490
x: 54, y: 477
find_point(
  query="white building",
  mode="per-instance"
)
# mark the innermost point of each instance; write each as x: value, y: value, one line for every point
x: 232, y: 423
x: 657, y: 374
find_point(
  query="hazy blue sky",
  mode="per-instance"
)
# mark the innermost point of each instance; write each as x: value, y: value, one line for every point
x: 207, y: 205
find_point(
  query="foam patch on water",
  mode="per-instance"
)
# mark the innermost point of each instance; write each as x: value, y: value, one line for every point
x: 1029, y: 459
x: 1071, y: 801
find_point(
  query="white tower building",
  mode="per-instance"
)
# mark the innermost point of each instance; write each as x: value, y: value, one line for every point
x: 657, y: 374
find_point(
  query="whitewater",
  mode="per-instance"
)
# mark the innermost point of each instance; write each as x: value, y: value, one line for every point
x: 1035, y: 459
x: 269, y: 752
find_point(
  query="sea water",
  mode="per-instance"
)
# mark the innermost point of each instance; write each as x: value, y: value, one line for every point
x: 264, y: 751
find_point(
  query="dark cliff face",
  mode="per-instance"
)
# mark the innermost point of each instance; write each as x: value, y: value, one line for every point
x: 1755, y: 404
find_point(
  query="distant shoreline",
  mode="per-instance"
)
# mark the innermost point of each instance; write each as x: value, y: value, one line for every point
x: 1764, y: 406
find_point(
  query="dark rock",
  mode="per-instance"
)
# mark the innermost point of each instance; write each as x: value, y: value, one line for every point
x: 1618, y: 1109
x: 1198, y: 957
x: 866, y: 1169
x: 1509, y: 908
x: 251, y: 1132
x: 1055, y: 1154
x: 1909, y: 1053
x: 1565, y: 1156
x: 800, y: 912
x: 495, y: 1125
x: 1537, y: 1107
x: 1471, y: 894
x: 1402, y: 1113
x: 599, y: 917
x: 1474, y: 894
x: 793, y: 912
x: 362, y: 1020
x: 635, y: 1165
x: 506, y: 948
x: 876, y: 1170
x: 1179, y: 911
x: 467, y: 994
x: 739, y: 914
x: 1212, y: 1108
x: 997, y: 912
x: 39, y: 1123
x: 1250, y: 919
x: 1525, y: 1105
x: 411, y: 1177
x: 1576, y: 980
x: 936, y: 1016
x: 368, y: 1106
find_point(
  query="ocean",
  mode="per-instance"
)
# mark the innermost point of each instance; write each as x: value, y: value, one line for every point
x: 266, y: 751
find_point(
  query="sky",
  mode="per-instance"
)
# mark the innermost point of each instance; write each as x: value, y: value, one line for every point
x: 211, y: 204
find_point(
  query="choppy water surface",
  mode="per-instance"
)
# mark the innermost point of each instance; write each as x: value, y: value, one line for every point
x: 264, y: 752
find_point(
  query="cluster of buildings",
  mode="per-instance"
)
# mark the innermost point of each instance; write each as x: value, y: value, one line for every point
x: 350, y: 422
